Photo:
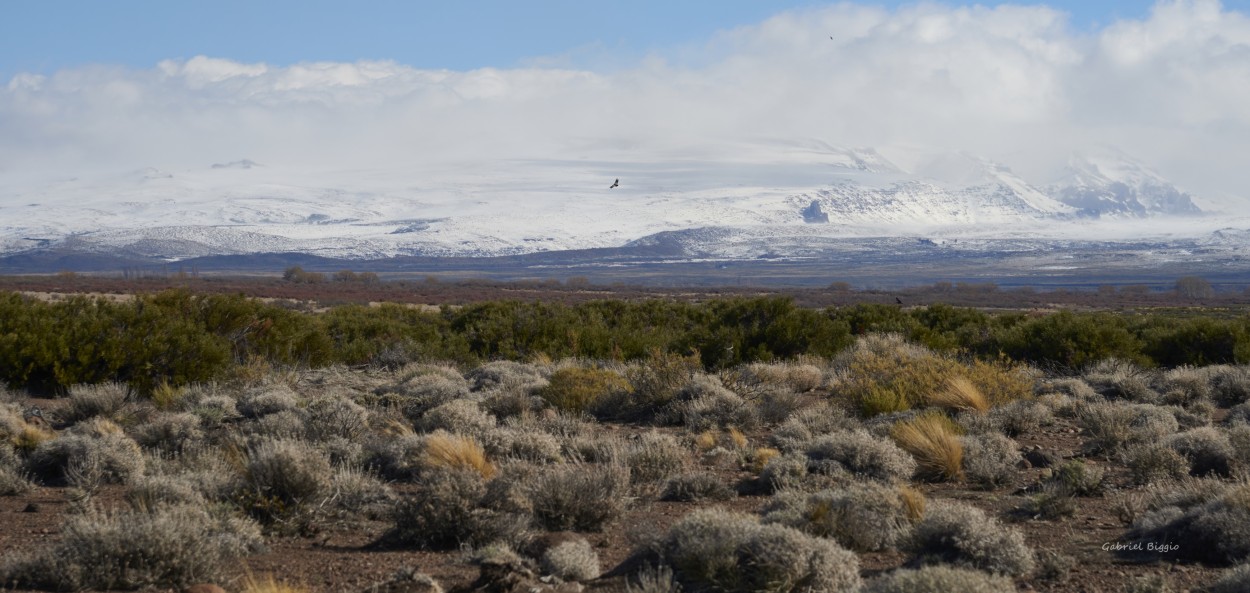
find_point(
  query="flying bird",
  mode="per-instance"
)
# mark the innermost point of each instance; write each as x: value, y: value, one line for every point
x: 616, y: 183
x: 898, y: 300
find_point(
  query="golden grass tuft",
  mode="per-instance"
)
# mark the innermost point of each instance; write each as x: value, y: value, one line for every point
x: 913, y: 501
x: 446, y: 450
x: 760, y: 458
x: 933, y: 439
x: 269, y: 584
x: 738, y: 439
x: 959, y: 394
x: 165, y: 395
x: 29, y: 437
x: 706, y: 441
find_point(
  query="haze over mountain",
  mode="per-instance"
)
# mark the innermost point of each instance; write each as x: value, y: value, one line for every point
x: 947, y: 124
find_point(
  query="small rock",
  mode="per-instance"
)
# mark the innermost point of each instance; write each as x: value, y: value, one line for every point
x: 1047, y: 473
x: 31, y: 508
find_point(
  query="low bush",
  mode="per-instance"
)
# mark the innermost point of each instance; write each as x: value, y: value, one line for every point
x: 940, y: 579
x: 963, y: 535
x: 460, y: 416
x: 444, y: 511
x: 1206, y: 520
x: 1235, y: 580
x: 990, y: 460
x: 102, y: 399
x: 724, y: 551
x: 443, y: 450
x: 101, y: 445
x: 1155, y: 462
x: 172, y: 546
x: 572, y: 560
x: 266, y: 399
x: 863, y: 455
x: 578, y: 390
x: 1207, y: 450
x: 1079, y: 478
x: 697, y: 487
x: 654, y: 457
x: 862, y: 516
x: 169, y: 432
x: 1111, y: 426
x: 584, y: 497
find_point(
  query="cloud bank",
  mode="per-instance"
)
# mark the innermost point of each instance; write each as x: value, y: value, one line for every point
x: 1014, y: 83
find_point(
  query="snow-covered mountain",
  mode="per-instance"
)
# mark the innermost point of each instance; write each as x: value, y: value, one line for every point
x: 789, y: 195
x: 1111, y: 183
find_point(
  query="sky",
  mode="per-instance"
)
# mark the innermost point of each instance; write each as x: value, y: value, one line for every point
x: 126, y: 83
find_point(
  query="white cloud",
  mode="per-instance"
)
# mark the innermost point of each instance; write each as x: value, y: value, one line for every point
x: 1015, y: 83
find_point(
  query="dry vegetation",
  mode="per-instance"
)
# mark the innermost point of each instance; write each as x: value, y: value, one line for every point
x: 888, y: 467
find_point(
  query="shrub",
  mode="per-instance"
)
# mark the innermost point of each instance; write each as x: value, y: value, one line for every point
x: 576, y: 389
x: 1054, y: 501
x: 444, y: 512
x: 448, y: 451
x: 505, y: 374
x: 265, y: 400
x: 863, y: 516
x: 1120, y: 379
x: 172, y: 546
x: 1235, y: 580
x: 1080, y: 478
x: 578, y: 496
x: 862, y: 455
x: 1230, y: 385
x: 281, y: 475
x: 116, y: 456
x: 102, y: 399
x: 934, y: 441
x: 150, y: 492
x: 1020, y: 417
x: 802, y: 426
x: 461, y: 416
x: 425, y: 392
x: 963, y: 535
x: 655, y: 456
x: 1206, y: 520
x: 695, y: 487
x: 653, y: 579
x: 658, y: 378
x: 572, y: 560
x: 990, y: 460
x: 169, y: 432
x: 720, y: 550
x: 1111, y: 426
x: 526, y: 445
x: 1150, y: 463
x: 940, y: 579
x: 704, y: 404
x: 336, y: 417
x: 1208, y: 451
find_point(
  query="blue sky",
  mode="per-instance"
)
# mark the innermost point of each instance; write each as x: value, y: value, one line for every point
x: 42, y: 36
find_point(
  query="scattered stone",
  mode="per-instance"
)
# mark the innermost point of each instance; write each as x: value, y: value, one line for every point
x: 31, y: 508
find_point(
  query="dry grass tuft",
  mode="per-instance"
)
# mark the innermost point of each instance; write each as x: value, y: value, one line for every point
x: 269, y: 584
x: 914, y: 501
x: 959, y: 394
x: 445, y: 450
x: 933, y: 439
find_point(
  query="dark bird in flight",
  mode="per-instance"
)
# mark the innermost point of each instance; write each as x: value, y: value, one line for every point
x: 898, y: 300
x: 616, y: 183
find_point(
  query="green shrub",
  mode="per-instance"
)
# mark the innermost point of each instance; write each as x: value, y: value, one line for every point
x: 576, y: 389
